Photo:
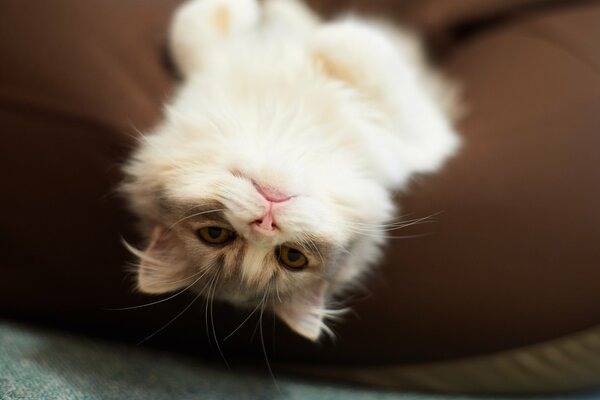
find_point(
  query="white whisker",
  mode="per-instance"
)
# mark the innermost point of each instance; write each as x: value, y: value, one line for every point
x: 193, y: 216
x: 210, y: 300
x: 243, y: 322
x: 203, y: 271
x: 172, y: 320
x: 262, y: 338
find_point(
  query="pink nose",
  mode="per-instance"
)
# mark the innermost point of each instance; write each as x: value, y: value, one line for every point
x: 267, y: 221
x: 271, y: 194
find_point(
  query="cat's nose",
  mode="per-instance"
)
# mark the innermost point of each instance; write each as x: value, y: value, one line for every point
x: 266, y: 223
x: 271, y: 194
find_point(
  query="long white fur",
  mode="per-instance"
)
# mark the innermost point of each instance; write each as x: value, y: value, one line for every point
x: 339, y: 114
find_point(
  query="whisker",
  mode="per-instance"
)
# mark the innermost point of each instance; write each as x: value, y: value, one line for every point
x: 212, y: 321
x: 388, y: 228
x: 316, y: 248
x: 254, y: 331
x: 395, y: 224
x: 277, y: 292
x: 172, y: 320
x: 262, y: 338
x: 200, y: 293
x: 209, y: 286
x: 203, y: 272
x: 142, y: 255
x: 194, y: 215
x: 206, y: 310
x: 374, y: 235
x: 243, y: 322
x: 307, y: 241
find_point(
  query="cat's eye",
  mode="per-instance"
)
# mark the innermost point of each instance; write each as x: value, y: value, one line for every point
x: 291, y: 258
x: 215, y: 235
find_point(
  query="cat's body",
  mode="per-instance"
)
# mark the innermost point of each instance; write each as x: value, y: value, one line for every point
x: 270, y: 181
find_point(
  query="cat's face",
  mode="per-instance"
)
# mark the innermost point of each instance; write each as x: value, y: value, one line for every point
x: 258, y: 206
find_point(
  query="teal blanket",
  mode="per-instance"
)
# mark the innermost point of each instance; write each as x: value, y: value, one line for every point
x: 35, y: 364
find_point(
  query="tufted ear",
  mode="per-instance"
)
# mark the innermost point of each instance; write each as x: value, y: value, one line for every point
x: 305, y: 311
x: 201, y: 25
x: 162, y: 265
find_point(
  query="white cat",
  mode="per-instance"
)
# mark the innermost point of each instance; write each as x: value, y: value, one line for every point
x: 269, y: 183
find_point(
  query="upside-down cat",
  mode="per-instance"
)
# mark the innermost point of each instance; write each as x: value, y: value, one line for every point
x: 269, y: 182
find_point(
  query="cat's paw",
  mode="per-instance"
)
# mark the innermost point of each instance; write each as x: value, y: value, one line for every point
x: 385, y: 70
x: 200, y: 25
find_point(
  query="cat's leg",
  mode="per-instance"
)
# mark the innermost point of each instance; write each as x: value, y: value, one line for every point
x: 415, y: 136
x: 291, y: 14
x: 202, y: 25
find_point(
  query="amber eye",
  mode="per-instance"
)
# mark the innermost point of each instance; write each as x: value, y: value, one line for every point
x: 291, y: 258
x: 215, y: 235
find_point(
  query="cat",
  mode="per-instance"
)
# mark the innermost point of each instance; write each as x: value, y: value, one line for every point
x: 269, y: 183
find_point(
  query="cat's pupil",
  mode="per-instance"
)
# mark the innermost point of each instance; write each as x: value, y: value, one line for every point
x: 293, y: 255
x: 215, y: 233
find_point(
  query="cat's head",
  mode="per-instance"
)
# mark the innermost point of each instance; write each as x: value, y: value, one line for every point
x: 258, y: 226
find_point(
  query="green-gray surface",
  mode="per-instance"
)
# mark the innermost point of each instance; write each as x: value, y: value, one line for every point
x: 35, y: 364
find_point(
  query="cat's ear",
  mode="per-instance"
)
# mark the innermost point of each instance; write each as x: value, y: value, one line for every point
x: 162, y: 266
x: 202, y: 25
x: 304, y: 313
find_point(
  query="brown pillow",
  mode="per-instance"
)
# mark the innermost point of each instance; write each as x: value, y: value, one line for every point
x: 511, y: 259
x: 431, y: 16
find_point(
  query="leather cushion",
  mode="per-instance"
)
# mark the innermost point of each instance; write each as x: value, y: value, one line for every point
x: 510, y: 260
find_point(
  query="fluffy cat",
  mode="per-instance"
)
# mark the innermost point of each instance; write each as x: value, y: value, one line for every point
x: 269, y: 183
